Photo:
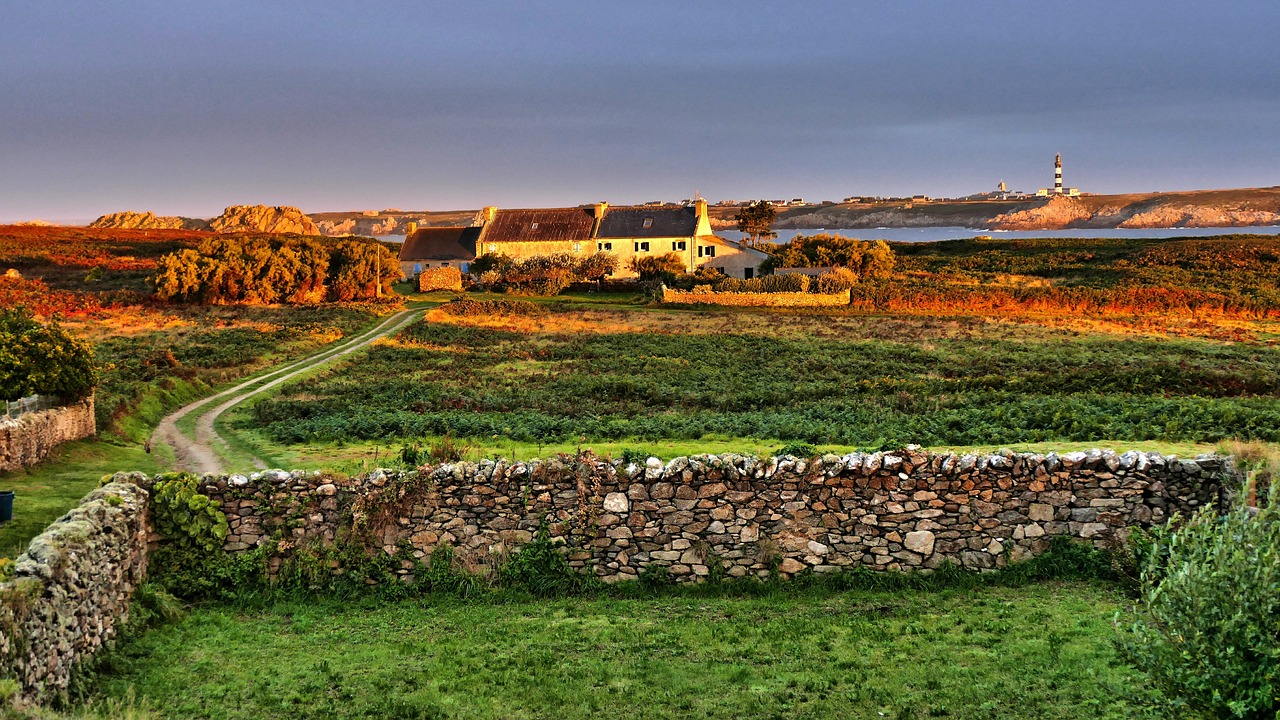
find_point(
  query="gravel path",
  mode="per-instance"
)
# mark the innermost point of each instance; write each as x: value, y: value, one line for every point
x: 198, y: 454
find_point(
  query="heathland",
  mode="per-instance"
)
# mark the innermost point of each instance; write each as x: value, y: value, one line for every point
x: 1056, y: 344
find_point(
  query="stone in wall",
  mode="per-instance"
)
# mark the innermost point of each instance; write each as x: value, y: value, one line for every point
x: 71, y: 589
x: 731, y: 514
x: 28, y: 439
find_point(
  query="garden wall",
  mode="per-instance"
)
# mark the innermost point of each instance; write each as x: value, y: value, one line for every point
x: 71, y: 590
x: 777, y: 299
x: 28, y: 439
x: 730, y: 514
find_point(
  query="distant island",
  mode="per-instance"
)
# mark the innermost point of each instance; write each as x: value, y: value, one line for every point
x: 1190, y: 209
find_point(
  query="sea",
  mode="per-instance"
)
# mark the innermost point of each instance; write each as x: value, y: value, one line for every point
x: 934, y: 234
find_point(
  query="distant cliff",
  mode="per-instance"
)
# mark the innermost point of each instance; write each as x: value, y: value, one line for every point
x: 237, y: 218
x: 1202, y: 208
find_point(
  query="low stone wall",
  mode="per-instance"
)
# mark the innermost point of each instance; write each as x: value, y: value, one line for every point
x: 781, y: 299
x: 71, y: 590
x: 731, y: 514
x: 27, y: 440
x: 448, y: 278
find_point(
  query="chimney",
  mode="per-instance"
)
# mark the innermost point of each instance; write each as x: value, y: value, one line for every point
x: 600, y: 209
x: 701, y: 205
x: 488, y: 214
x: 410, y: 228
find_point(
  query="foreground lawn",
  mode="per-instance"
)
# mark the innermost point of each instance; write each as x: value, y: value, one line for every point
x: 1042, y: 651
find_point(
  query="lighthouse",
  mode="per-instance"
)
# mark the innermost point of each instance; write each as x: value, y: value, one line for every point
x: 1058, y: 188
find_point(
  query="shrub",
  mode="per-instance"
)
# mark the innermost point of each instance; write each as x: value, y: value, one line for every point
x: 658, y: 267
x: 791, y: 282
x: 258, y: 270
x: 838, y: 280
x: 1207, y: 629
x: 540, y: 274
x: 865, y: 258
x: 467, y: 307
x: 44, y: 359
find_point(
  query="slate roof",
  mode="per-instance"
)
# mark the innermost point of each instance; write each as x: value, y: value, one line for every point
x: 441, y: 243
x: 628, y: 222
x: 540, y: 225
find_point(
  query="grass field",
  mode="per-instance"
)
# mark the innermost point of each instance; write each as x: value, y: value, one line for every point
x: 617, y: 376
x: 1041, y: 651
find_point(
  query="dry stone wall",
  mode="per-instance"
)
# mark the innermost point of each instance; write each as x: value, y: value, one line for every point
x: 447, y: 278
x: 729, y: 514
x: 71, y: 590
x: 28, y: 439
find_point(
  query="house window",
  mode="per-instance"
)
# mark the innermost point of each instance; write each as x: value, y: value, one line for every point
x: 648, y: 223
x: 533, y: 226
x: 679, y: 245
x: 577, y: 247
x: 417, y: 267
x: 465, y: 266
x: 642, y: 246
x: 604, y: 247
x: 706, y: 251
x: 748, y: 273
x: 493, y: 248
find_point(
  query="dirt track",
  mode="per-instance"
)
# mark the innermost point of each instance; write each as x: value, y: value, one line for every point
x: 199, y: 454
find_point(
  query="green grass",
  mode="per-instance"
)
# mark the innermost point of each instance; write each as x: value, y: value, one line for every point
x: 47, y: 490
x: 826, y: 381
x: 1042, y: 651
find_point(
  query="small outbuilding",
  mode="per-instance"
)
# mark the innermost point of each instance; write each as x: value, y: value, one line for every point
x: 438, y: 247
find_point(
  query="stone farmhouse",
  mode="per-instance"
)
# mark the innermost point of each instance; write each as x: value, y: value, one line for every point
x: 626, y: 232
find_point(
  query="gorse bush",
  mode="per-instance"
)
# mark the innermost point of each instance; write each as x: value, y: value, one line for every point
x: 44, y: 359
x: 838, y: 280
x: 1207, y: 628
x: 864, y: 258
x: 260, y: 270
x: 540, y: 274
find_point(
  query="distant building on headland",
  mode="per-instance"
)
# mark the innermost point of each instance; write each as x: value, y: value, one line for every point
x: 624, y: 232
x: 1057, y: 188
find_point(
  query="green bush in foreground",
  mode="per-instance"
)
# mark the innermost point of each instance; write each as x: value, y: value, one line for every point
x: 44, y: 359
x: 1207, y: 630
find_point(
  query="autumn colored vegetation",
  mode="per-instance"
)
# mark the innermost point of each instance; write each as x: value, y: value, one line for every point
x: 864, y: 258
x: 258, y: 270
x: 150, y: 355
x: 540, y: 274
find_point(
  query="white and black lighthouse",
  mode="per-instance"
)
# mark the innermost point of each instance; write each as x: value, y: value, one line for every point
x: 1058, y: 188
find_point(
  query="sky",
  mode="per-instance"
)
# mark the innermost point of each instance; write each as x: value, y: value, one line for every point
x: 185, y: 107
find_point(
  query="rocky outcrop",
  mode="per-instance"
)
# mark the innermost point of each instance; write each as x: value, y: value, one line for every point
x: 130, y: 220
x: 1175, y: 215
x: 264, y: 219
x: 1057, y: 212
x: 235, y: 219
x: 730, y: 514
x: 71, y: 590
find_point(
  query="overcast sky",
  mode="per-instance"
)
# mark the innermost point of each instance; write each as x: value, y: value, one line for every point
x: 183, y: 107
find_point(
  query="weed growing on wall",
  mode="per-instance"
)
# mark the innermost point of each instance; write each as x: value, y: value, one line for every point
x: 186, y: 518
